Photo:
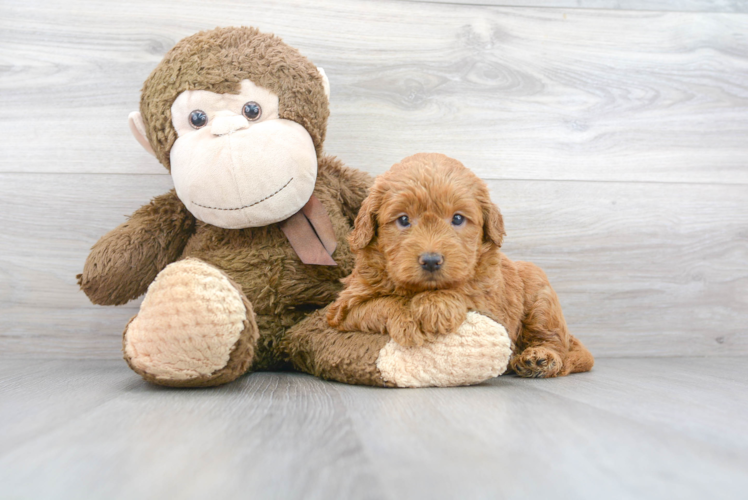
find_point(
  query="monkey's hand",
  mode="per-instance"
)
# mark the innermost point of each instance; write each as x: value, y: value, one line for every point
x: 438, y: 312
x: 126, y: 260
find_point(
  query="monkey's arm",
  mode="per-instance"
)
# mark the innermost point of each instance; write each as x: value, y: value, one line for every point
x: 354, y: 184
x: 126, y: 260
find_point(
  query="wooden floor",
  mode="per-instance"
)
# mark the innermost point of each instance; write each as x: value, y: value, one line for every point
x: 613, y: 134
x: 632, y: 428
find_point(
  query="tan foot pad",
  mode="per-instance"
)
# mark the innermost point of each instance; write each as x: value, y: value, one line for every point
x: 189, y: 321
x: 478, y: 351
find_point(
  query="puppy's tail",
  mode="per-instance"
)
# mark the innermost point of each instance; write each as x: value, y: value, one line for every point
x: 578, y: 359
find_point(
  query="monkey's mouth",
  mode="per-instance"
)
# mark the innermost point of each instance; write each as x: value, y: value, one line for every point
x: 251, y: 204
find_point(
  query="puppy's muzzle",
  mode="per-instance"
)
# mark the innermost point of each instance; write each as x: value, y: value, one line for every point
x: 431, y: 261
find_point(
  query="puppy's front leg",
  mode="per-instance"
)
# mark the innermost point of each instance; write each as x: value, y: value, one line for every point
x: 439, y: 312
x: 357, y: 310
x: 387, y: 315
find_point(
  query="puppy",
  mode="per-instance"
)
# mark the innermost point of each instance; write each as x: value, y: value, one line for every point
x: 427, y: 243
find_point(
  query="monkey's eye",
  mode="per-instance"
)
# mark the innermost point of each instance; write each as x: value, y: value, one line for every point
x: 458, y: 219
x: 252, y: 111
x: 198, y: 119
x: 402, y: 222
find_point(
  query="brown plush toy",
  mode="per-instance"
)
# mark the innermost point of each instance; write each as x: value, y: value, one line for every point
x: 240, y: 258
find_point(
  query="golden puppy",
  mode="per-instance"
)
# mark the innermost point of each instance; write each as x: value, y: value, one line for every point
x: 427, y: 245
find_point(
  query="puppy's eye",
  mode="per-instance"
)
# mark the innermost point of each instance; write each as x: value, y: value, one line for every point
x: 402, y: 222
x: 198, y: 118
x: 458, y: 219
x: 252, y: 111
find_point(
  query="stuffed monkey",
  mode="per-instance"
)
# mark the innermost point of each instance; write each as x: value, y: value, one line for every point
x: 240, y: 258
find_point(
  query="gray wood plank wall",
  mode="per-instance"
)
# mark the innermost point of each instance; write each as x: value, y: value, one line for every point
x: 661, y: 5
x: 613, y: 134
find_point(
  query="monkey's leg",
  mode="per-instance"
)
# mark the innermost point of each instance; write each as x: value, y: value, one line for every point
x: 195, y: 328
x: 477, y: 351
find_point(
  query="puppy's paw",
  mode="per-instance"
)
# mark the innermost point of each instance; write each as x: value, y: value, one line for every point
x: 440, y: 323
x: 537, y: 362
x: 438, y: 313
x: 336, y: 313
x: 405, y: 331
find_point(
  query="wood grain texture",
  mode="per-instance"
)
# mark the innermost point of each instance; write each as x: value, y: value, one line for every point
x: 628, y: 429
x: 523, y: 440
x: 661, y: 5
x: 518, y: 93
x: 224, y: 443
x: 641, y: 269
x: 681, y: 395
x: 615, y: 142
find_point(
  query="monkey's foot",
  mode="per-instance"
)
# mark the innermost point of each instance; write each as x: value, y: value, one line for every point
x: 479, y: 350
x: 195, y: 328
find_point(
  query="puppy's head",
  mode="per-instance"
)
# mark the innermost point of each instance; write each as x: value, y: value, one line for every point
x: 426, y: 223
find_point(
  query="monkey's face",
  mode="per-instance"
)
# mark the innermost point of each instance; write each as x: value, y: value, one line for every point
x: 235, y: 163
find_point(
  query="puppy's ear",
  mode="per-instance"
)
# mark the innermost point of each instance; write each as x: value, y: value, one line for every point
x: 365, y: 227
x: 493, y: 224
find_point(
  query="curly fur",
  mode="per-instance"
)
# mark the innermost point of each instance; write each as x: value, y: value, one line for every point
x: 389, y: 292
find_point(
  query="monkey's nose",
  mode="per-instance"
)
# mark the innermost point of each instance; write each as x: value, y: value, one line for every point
x: 431, y: 261
x: 223, y: 125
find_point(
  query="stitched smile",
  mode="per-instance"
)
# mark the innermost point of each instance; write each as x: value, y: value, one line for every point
x: 251, y: 204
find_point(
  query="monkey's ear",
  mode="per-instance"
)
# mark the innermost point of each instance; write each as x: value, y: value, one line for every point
x: 325, y: 82
x: 365, y: 227
x: 137, y: 127
x: 493, y: 224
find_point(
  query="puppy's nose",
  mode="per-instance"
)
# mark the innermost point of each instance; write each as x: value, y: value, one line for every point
x: 431, y: 261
